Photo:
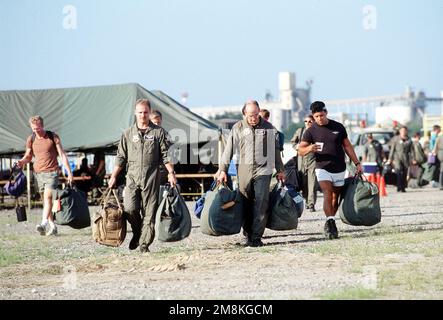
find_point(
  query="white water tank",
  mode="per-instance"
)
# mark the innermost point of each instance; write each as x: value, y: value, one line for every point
x: 401, y: 113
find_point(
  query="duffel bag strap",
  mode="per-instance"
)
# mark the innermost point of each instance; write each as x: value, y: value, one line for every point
x: 11, y: 172
x: 106, y: 197
x: 17, y: 202
x: 114, y: 192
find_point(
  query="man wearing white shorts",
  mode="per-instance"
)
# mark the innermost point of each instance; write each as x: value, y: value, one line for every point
x: 329, y: 142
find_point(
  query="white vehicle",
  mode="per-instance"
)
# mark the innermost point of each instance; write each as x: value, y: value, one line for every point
x: 382, y: 135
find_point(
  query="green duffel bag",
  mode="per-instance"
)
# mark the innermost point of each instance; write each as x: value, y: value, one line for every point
x: 172, y: 221
x: 360, y: 202
x: 283, y: 211
x: 222, y: 212
x: 74, y: 209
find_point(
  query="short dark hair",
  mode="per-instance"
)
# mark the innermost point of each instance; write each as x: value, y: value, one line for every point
x: 318, y: 106
x: 436, y: 127
x: 156, y: 113
x: 265, y: 113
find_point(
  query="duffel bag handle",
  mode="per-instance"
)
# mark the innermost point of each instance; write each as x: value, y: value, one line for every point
x: 11, y: 171
x: 105, y: 199
x: 114, y: 192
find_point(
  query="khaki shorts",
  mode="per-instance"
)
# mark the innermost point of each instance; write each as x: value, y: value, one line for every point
x: 47, y: 180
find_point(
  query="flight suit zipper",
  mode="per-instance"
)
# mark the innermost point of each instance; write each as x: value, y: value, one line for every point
x: 141, y: 159
x: 253, y: 151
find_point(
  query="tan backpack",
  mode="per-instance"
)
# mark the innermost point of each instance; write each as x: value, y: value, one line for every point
x: 109, y: 227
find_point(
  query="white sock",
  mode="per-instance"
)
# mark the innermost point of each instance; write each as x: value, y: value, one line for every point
x: 44, y: 222
x: 330, y: 218
x: 51, y: 224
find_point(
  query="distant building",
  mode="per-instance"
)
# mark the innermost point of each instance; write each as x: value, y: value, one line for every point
x: 291, y: 105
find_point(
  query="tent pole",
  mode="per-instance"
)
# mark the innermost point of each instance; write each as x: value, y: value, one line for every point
x: 28, y: 183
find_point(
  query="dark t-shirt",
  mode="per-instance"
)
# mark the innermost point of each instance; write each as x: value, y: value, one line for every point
x: 332, y: 156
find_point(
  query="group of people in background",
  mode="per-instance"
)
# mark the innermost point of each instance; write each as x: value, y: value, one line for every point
x: 416, y: 162
x: 321, y: 146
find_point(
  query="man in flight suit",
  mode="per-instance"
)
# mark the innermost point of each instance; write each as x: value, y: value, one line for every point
x: 306, y: 167
x: 142, y: 148
x: 373, y: 152
x: 255, y: 142
x: 400, y: 155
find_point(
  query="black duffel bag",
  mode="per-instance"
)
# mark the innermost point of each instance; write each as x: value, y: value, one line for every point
x: 172, y: 221
x: 74, y: 210
x: 222, y: 213
x: 283, y: 211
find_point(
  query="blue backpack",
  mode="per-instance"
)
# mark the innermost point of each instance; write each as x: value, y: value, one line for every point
x: 199, y: 204
x: 17, y: 184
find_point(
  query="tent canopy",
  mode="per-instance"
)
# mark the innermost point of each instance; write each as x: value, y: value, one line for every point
x: 89, y: 118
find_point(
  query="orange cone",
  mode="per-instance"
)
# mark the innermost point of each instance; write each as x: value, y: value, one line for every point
x: 382, y: 187
x: 371, y: 178
x: 377, y: 179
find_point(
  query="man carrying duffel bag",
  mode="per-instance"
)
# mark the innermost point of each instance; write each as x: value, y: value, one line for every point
x: 141, y: 150
x: 328, y: 141
x: 255, y: 142
x: 45, y: 146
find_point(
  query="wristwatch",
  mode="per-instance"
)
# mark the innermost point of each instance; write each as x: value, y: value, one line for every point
x: 172, y: 172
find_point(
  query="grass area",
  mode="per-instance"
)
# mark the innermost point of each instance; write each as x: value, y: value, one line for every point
x: 405, y: 265
x: 7, y: 257
x: 426, y: 242
x: 350, y: 293
x: 403, y: 262
x: 412, y: 279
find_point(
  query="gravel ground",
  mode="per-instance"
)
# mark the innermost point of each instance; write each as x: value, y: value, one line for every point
x: 299, y: 264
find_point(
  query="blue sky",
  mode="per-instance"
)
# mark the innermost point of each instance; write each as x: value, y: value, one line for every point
x: 224, y: 52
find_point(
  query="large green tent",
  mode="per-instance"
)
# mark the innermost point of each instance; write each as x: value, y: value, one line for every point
x: 89, y: 118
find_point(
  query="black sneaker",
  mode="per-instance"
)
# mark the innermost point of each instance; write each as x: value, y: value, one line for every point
x: 331, y: 231
x: 134, y: 243
x: 144, y: 248
x: 135, y: 240
x: 311, y: 208
x: 256, y: 243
